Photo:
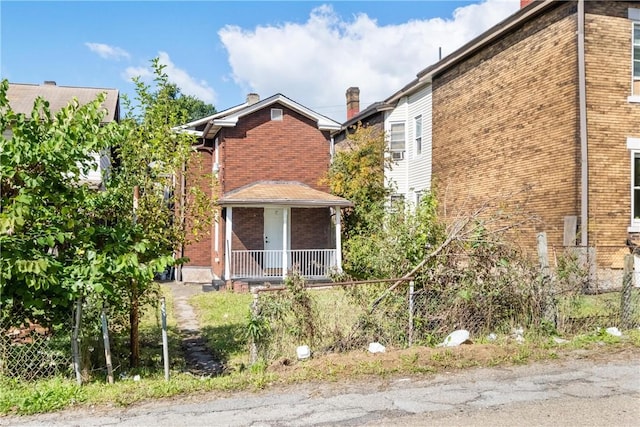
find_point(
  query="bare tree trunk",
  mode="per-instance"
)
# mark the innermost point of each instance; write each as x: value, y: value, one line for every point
x: 134, y: 320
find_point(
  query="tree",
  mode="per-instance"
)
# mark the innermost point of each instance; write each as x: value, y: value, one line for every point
x: 150, y: 163
x: 190, y: 107
x: 48, y: 224
x: 357, y: 174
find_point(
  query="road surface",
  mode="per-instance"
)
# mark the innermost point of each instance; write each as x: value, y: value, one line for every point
x: 578, y: 392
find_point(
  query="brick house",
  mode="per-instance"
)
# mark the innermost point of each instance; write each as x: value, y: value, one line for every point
x: 547, y: 102
x: 545, y: 106
x: 275, y: 214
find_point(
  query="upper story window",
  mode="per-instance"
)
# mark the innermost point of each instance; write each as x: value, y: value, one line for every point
x: 636, y: 59
x: 276, y: 114
x: 418, y: 129
x: 634, y: 15
x: 397, y: 141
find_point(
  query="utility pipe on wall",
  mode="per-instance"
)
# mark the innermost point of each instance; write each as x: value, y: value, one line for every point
x: 584, y: 164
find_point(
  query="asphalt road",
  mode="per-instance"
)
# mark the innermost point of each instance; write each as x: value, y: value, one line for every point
x: 571, y: 393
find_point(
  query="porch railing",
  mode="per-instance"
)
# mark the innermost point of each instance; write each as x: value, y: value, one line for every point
x: 263, y: 264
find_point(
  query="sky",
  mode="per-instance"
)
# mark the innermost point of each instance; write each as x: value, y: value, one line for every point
x: 219, y: 51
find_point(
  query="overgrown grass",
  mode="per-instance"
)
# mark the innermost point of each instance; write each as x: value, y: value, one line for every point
x: 223, y: 318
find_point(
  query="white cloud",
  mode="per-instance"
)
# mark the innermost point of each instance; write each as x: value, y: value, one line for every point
x: 316, y: 61
x: 188, y: 85
x: 108, y: 52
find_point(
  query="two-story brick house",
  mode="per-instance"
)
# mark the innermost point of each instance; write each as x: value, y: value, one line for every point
x: 275, y: 214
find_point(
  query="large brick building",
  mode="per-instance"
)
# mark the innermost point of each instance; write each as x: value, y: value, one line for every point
x: 268, y: 158
x: 543, y: 108
x: 546, y: 106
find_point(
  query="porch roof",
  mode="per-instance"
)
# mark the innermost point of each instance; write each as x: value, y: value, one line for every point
x: 281, y: 193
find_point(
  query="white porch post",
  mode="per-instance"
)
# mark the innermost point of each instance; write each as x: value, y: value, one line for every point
x: 228, y: 230
x: 285, y: 220
x: 338, y: 212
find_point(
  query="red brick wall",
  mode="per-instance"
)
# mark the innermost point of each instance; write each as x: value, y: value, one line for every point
x: 258, y: 148
x: 310, y: 228
x: 198, y: 174
x: 248, y: 229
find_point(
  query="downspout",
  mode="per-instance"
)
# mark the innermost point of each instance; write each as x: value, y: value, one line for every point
x: 584, y: 165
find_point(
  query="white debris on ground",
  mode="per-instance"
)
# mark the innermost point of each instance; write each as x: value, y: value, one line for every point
x: 518, y: 334
x: 559, y: 340
x: 613, y: 331
x: 303, y: 352
x: 376, y: 347
x: 455, y: 338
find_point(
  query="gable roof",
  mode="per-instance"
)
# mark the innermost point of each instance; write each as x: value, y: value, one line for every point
x: 425, y: 77
x: 230, y: 117
x: 288, y: 193
x: 22, y: 96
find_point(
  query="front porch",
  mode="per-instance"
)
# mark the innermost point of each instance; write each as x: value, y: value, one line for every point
x: 274, y: 228
x: 275, y: 264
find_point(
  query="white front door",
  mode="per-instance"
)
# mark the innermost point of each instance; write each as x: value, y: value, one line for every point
x: 273, y: 237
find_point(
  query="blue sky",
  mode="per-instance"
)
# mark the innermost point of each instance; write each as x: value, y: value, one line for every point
x: 219, y: 50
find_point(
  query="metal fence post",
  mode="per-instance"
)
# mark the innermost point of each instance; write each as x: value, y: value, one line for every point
x: 546, y: 287
x: 411, y: 289
x: 74, y: 341
x: 627, y: 283
x: 107, y: 346
x: 253, y: 353
x: 165, y: 340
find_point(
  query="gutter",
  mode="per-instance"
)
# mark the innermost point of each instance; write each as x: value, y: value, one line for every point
x: 584, y: 164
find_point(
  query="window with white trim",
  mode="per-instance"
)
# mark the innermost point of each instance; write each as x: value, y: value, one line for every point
x: 635, y: 194
x: 633, y: 145
x: 276, y: 114
x: 636, y: 59
x: 397, y: 141
x: 418, y: 135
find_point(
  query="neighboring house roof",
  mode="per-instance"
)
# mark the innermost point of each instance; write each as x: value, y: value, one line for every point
x: 425, y: 76
x: 281, y: 193
x: 230, y: 117
x: 375, y: 108
x: 22, y: 96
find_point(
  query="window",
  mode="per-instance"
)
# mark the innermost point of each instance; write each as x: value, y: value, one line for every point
x: 396, y: 140
x: 636, y: 59
x: 276, y: 114
x: 635, y: 196
x: 633, y: 145
x: 418, y: 129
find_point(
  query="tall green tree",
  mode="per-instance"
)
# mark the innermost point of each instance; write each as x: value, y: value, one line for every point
x: 48, y: 224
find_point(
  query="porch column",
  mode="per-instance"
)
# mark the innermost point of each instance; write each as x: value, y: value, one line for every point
x: 228, y: 230
x: 338, y: 212
x: 285, y: 260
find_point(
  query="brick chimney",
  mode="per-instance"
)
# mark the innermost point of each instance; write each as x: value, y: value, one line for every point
x: 252, y: 98
x: 353, y: 102
x: 524, y: 3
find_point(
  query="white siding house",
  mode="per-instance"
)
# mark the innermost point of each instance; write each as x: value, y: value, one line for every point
x: 410, y: 175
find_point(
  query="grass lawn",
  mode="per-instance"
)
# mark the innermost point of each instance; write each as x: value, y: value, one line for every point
x: 224, y: 316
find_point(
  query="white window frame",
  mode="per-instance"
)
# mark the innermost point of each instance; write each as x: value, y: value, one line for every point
x: 418, y: 134
x: 392, y: 141
x: 276, y: 114
x: 634, y: 14
x: 633, y: 145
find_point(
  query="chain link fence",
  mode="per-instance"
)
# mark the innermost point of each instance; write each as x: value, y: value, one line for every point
x: 31, y: 350
x: 582, y: 290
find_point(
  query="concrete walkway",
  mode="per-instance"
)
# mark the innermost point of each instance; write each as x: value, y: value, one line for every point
x: 198, y: 358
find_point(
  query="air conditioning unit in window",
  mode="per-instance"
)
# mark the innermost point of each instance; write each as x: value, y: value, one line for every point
x: 397, y: 155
